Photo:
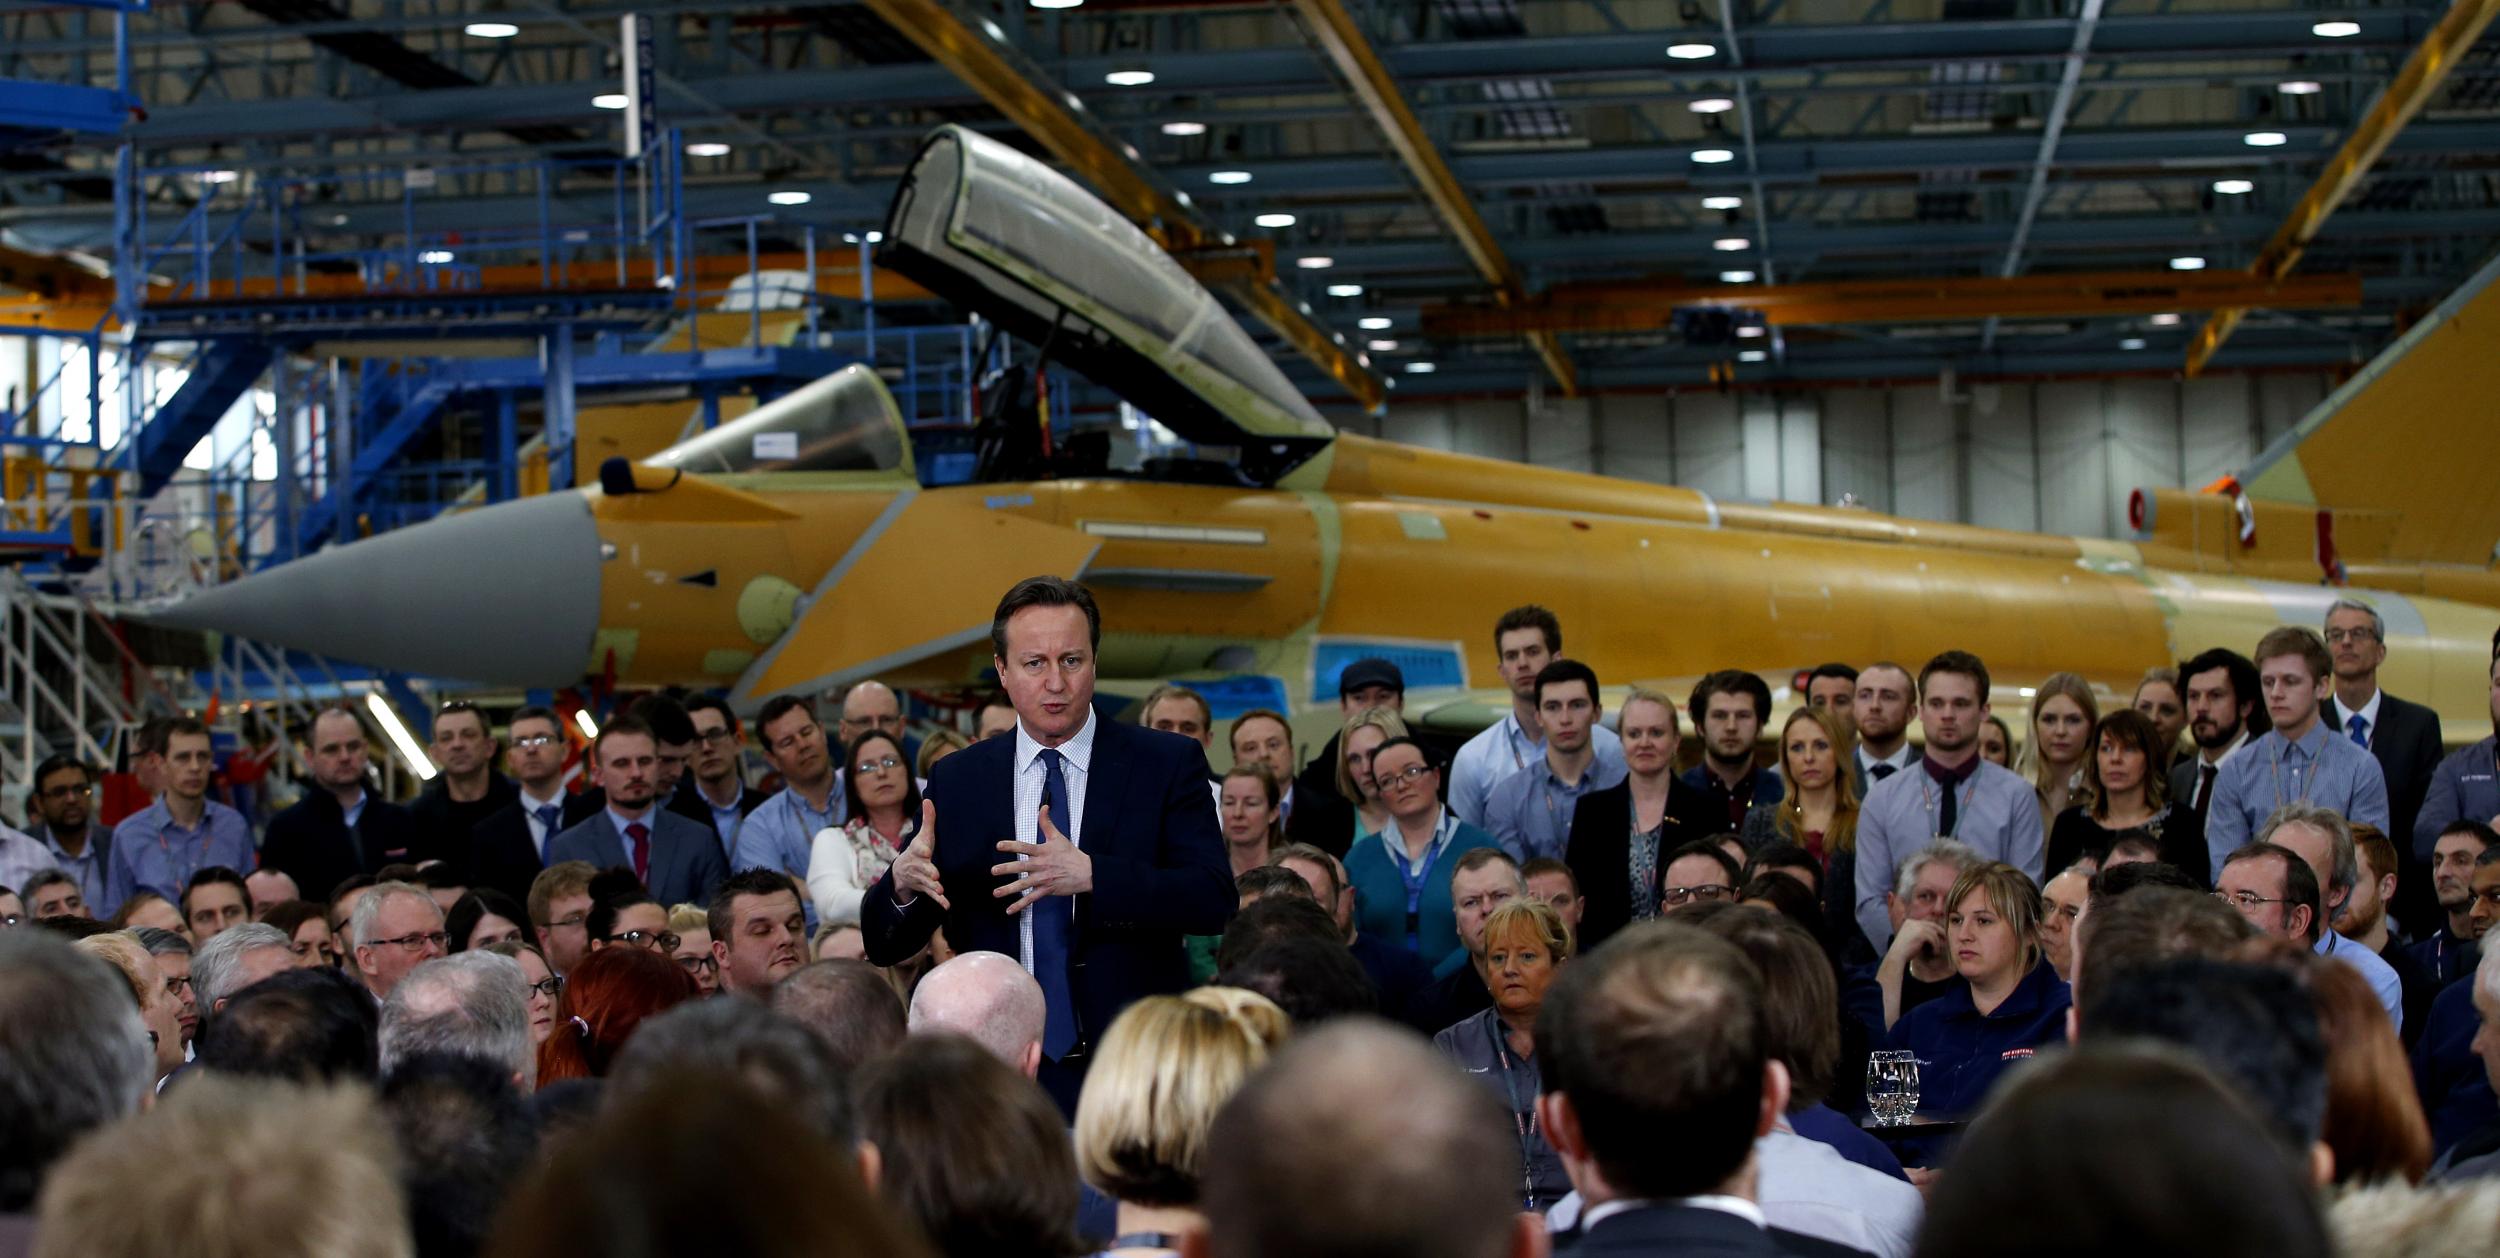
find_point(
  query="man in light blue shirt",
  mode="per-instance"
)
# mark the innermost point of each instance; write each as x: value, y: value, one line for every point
x: 781, y: 833
x: 1952, y: 792
x: 2323, y: 839
x: 2299, y: 761
x: 1530, y: 811
x: 1525, y: 639
x: 184, y: 831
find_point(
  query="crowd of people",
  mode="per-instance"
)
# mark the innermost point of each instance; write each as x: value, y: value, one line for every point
x: 1036, y: 981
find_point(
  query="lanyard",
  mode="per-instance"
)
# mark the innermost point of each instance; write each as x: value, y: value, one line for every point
x: 1928, y: 800
x: 1417, y: 875
x: 1526, y: 1127
x: 1518, y: 763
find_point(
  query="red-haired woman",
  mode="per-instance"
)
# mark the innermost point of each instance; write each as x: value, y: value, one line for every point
x: 605, y: 998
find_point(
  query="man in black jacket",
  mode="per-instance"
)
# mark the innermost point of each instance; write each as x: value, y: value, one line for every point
x: 2403, y: 737
x: 340, y: 828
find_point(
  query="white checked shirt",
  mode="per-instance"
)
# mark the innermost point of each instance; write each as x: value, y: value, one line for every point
x: 1076, y: 758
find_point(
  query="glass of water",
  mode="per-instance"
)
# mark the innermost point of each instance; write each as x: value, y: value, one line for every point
x: 1892, y: 1086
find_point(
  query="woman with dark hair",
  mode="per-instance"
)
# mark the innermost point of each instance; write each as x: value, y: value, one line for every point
x: 484, y: 916
x: 1401, y: 876
x: 622, y: 912
x: 884, y: 813
x: 2144, y: 1153
x: 2127, y: 792
x: 545, y: 985
x: 307, y: 927
x: 605, y: 998
x: 972, y: 1151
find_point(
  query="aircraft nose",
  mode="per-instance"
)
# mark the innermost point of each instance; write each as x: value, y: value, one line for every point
x: 506, y: 595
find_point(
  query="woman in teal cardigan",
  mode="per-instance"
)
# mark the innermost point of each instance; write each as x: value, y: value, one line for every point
x: 1401, y: 875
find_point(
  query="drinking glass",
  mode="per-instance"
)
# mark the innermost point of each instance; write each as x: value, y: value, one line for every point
x: 1892, y: 1086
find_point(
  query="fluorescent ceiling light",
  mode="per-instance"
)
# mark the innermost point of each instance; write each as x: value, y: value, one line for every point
x: 401, y: 740
x: 1692, y: 52
x: 492, y: 30
x: 789, y: 197
x: 1229, y: 177
x: 582, y: 721
x: 2265, y: 139
x: 217, y: 176
x: 2164, y: 321
x: 2335, y: 30
x: 1751, y: 330
x: 1752, y: 355
x: 1274, y: 220
x: 2234, y: 187
x: 2299, y: 87
x: 1345, y: 290
x: 608, y: 100
x: 1380, y: 347
x: 2190, y: 263
x: 1731, y: 244
x: 1055, y: 4
x: 1712, y: 157
x: 1129, y: 78
x: 1375, y: 323
x: 1315, y: 263
x: 1711, y: 105
x: 708, y: 148
x: 1420, y: 369
x: 435, y: 257
x: 1736, y: 277
x: 2132, y: 342
x: 1184, y: 128
x: 1723, y: 203
x: 876, y: 238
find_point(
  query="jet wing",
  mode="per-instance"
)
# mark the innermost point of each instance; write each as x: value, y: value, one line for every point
x: 1002, y: 234
x: 923, y: 579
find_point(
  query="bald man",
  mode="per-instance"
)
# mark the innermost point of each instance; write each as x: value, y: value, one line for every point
x: 988, y: 997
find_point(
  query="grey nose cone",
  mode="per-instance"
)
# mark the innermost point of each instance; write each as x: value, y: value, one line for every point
x: 507, y: 595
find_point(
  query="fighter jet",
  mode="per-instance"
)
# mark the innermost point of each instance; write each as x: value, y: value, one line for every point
x: 810, y: 544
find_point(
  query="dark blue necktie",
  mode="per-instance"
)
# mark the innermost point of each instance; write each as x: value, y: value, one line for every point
x: 1053, y: 923
x: 548, y: 816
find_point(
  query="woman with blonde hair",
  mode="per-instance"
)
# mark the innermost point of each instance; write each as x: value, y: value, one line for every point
x: 2063, y: 716
x: 2011, y: 1001
x: 1165, y: 1067
x: 1525, y: 943
x: 159, y: 1009
x: 1363, y: 733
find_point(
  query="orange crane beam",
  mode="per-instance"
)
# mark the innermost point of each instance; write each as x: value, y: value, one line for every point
x: 1632, y: 307
x: 2413, y: 87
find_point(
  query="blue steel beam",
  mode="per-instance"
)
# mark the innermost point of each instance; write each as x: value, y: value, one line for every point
x: 1798, y: 49
x: 2068, y: 77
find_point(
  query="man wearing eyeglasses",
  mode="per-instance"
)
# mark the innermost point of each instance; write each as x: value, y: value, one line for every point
x: 2402, y: 736
x: 2323, y: 841
x: 1697, y: 873
x: 341, y: 828
x: 507, y: 850
x: 719, y: 773
x: 74, y: 841
x: 679, y: 860
x: 2274, y: 889
x: 395, y: 929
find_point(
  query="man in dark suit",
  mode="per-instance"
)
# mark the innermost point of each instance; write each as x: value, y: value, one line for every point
x: 509, y: 847
x: 678, y: 860
x: 2403, y: 737
x: 340, y: 829
x: 1662, y: 1030
x: 467, y: 790
x: 673, y: 734
x: 1886, y: 698
x: 1096, y: 842
x: 2220, y: 689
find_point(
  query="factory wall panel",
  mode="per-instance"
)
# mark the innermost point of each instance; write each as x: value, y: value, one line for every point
x: 2056, y: 456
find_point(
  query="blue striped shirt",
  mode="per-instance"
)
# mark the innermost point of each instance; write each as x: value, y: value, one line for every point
x: 152, y: 853
x: 2324, y: 768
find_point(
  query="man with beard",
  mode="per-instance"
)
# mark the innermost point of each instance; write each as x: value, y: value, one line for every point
x: 2450, y: 952
x: 2220, y: 687
x: 678, y: 860
x: 759, y: 932
x: 1955, y: 793
x: 1727, y: 709
x: 1881, y: 710
x: 76, y: 842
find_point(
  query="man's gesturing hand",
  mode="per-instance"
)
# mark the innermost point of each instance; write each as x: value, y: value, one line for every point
x: 915, y: 867
x: 1053, y: 866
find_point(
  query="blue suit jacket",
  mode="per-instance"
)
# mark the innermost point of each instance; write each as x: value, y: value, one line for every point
x: 686, y: 860
x: 1159, y: 868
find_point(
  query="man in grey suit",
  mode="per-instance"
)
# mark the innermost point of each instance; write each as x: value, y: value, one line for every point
x: 1881, y: 708
x: 2403, y: 737
x: 679, y: 860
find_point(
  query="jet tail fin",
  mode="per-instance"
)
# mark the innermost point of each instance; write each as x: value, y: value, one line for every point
x: 2397, y: 463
